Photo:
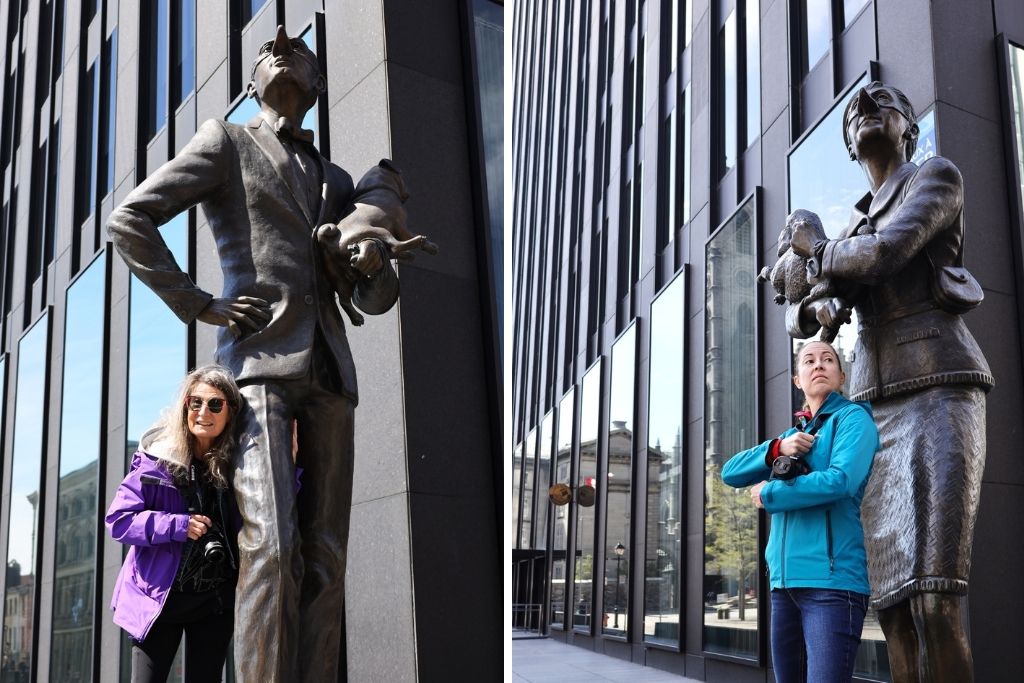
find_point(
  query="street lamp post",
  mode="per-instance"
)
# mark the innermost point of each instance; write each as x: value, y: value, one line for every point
x: 619, y: 550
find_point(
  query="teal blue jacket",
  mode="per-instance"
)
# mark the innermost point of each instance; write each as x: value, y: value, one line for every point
x: 816, y: 538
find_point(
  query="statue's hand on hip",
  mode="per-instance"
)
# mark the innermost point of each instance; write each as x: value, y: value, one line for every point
x: 240, y: 314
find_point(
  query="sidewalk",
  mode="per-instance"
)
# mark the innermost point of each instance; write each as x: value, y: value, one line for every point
x: 549, y: 661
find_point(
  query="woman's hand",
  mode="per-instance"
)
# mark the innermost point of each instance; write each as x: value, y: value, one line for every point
x: 796, y: 444
x: 198, y: 525
x: 755, y: 494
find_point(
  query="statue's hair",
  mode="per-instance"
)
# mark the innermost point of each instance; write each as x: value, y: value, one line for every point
x: 180, y: 445
x: 904, y: 106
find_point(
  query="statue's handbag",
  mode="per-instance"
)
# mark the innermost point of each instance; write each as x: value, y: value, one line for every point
x: 954, y: 288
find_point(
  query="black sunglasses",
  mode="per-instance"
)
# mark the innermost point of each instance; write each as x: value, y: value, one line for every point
x: 195, y: 404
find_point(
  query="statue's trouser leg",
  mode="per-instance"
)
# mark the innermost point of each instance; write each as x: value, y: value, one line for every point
x: 897, y: 624
x: 325, y: 501
x: 947, y: 652
x: 270, y: 566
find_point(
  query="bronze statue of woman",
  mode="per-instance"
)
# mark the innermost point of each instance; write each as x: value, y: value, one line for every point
x: 900, y: 264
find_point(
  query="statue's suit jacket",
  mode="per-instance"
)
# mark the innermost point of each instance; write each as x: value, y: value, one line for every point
x: 906, y: 341
x: 255, y: 200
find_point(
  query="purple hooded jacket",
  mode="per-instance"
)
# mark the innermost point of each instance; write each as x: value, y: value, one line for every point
x: 149, y: 514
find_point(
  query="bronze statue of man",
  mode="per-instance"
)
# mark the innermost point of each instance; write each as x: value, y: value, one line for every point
x: 900, y: 263
x: 264, y: 189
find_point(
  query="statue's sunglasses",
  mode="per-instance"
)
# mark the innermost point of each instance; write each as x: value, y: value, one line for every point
x: 882, y: 99
x: 195, y: 404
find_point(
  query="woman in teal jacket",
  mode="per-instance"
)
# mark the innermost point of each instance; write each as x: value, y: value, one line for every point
x: 816, y: 561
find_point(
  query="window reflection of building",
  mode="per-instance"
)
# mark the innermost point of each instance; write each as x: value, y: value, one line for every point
x: 73, y: 592
x: 583, y: 574
x: 560, y: 514
x: 730, y: 525
x: 18, y: 610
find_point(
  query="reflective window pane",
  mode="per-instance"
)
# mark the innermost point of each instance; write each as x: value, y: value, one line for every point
x: 583, y: 571
x: 22, y: 500
x: 752, y: 26
x: 185, y: 50
x: 560, y: 516
x: 727, y: 58
x: 730, y: 520
x: 617, y: 508
x: 664, y: 533
x: 82, y: 398
x: 529, y: 476
x: 250, y: 8
x: 156, y: 345
x: 687, y: 120
x: 851, y: 8
x: 818, y: 23
x: 540, y: 520
x: 517, y: 488
x: 1016, y: 60
x: 157, y: 43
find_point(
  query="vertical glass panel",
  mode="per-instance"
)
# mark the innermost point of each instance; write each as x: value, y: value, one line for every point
x: 674, y: 160
x: 687, y: 120
x: 185, y: 12
x: 1017, y: 95
x: 730, y: 521
x: 688, y: 33
x: 23, y: 503
x: 822, y: 179
x: 850, y: 10
x: 109, y: 118
x: 560, y: 517
x: 250, y: 8
x: 617, y: 508
x: 540, y: 523
x: 818, y: 22
x: 752, y: 25
x: 529, y: 476
x: 74, y: 570
x: 583, y: 572
x: 158, y: 42
x: 664, y: 533
x: 517, y: 489
x: 727, y: 59
x: 489, y: 31
x: 156, y: 345
x: 85, y: 192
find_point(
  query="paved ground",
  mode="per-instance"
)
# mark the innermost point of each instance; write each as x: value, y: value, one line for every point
x: 550, y: 661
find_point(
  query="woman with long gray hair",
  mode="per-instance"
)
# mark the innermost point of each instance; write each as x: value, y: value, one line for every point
x: 177, y: 513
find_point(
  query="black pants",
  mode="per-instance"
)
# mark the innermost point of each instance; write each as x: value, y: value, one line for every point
x: 207, y: 625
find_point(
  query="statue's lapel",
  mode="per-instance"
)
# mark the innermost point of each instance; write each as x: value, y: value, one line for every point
x: 268, y: 143
x: 892, y: 186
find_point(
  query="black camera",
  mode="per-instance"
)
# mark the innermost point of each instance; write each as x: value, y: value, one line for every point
x: 213, y: 546
x: 789, y: 467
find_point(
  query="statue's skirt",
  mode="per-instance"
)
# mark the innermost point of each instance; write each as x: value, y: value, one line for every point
x: 922, y: 497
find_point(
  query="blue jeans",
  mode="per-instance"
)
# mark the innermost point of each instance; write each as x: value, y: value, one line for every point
x: 815, y: 634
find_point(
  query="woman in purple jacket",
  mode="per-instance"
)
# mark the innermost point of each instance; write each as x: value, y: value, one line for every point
x: 177, y: 513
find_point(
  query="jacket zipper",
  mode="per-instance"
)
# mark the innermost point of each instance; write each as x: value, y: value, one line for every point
x: 828, y: 539
x: 785, y: 527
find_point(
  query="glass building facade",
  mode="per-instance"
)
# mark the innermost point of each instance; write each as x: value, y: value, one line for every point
x: 97, y: 94
x: 657, y: 150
